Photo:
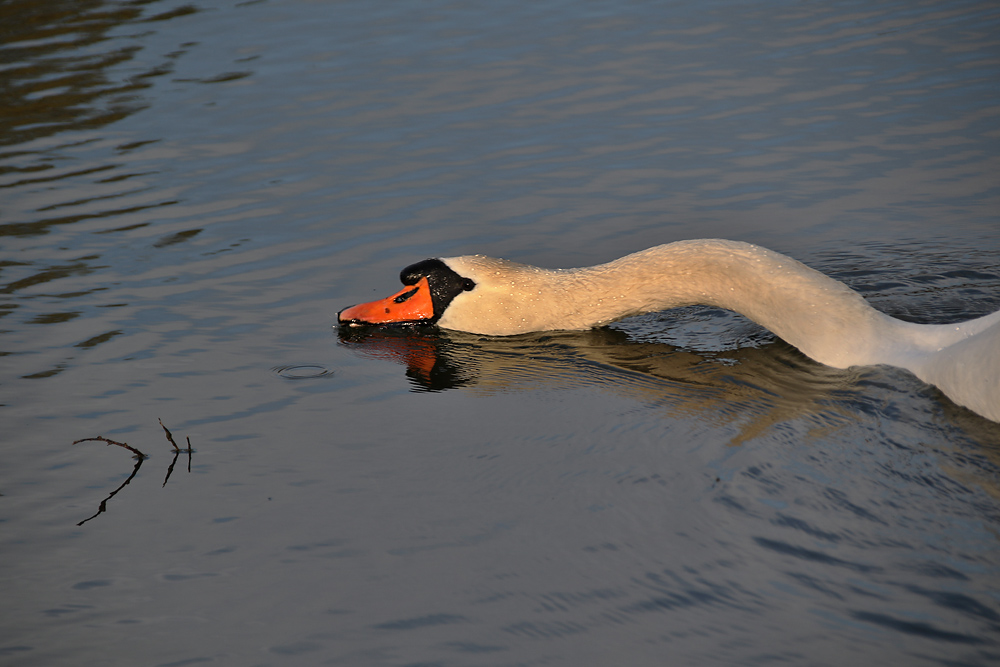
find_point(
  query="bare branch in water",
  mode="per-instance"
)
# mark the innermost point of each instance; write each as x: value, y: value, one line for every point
x: 139, y: 458
x: 101, y: 438
x: 170, y: 437
x: 177, y: 452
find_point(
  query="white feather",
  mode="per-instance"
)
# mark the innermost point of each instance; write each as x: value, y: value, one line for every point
x: 820, y: 316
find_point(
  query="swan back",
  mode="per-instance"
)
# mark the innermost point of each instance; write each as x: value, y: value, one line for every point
x: 967, y: 371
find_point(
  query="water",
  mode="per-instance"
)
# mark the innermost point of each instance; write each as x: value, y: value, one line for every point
x: 190, y: 192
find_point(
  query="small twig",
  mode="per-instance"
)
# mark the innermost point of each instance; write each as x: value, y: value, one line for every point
x: 139, y: 458
x: 101, y: 438
x: 177, y: 452
x: 170, y: 437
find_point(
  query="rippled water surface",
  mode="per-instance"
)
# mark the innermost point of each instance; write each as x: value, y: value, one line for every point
x: 189, y: 192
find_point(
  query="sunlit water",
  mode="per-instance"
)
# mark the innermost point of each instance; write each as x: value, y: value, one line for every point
x: 189, y: 192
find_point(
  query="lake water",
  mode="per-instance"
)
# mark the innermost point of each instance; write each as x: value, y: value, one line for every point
x: 190, y: 191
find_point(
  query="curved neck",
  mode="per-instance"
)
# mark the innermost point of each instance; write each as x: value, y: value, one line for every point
x: 822, y: 317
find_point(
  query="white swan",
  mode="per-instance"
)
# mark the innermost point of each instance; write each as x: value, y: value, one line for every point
x: 820, y: 316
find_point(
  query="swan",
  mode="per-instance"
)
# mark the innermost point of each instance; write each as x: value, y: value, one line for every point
x: 825, y: 319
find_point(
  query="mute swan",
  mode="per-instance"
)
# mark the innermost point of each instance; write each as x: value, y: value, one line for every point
x: 820, y: 316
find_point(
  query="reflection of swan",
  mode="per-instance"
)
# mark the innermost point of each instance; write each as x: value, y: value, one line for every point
x: 819, y: 315
x: 749, y: 389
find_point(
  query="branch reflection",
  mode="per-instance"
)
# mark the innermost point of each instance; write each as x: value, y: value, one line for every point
x: 139, y: 458
x: 104, y: 503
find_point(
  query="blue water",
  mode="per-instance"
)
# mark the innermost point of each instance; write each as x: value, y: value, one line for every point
x: 190, y: 191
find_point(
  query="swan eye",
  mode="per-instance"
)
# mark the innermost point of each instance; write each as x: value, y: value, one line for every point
x: 405, y: 295
x: 468, y: 284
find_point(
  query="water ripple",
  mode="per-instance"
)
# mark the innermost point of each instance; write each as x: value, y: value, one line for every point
x: 302, y: 371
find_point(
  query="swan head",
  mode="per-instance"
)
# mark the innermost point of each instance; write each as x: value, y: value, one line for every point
x: 429, y: 288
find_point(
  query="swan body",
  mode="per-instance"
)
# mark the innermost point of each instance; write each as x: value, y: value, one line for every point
x: 822, y: 317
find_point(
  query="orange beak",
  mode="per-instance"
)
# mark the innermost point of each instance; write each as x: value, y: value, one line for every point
x: 410, y: 305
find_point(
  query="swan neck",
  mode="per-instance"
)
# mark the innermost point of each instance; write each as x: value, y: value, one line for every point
x: 822, y: 317
x: 819, y: 315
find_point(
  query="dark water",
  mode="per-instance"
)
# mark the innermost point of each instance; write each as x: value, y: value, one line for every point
x: 190, y: 191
